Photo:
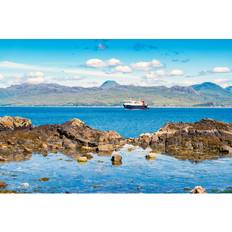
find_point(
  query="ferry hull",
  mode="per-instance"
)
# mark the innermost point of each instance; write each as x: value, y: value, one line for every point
x: 130, y: 107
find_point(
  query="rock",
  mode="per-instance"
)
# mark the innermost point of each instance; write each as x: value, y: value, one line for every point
x: 2, y: 184
x: 82, y: 159
x: 2, y: 159
x: 105, y: 147
x: 206, y: 139
x: 27, y: 150
x: 150, y: 156
x: 67, y: 138
x: 43, y: 179
x: 116, y: 159
x: 88, y: 149
x: 83, y: 135
x: 7, y: 191
x: 44, y: 146
x: 198, y: 189
x: 88, y: 156
x: 12, y: 123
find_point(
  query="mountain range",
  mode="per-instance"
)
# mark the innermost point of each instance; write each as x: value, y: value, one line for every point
x: 110, y: 93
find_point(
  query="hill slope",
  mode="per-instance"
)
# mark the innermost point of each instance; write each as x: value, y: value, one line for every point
x: 111, y: 93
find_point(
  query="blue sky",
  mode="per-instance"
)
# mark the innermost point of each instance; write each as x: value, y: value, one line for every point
x: 138, y: 62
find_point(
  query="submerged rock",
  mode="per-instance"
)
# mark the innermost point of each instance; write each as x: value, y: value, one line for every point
x: 2, y: 184
x: 44, y: 179
x: 198, y: 190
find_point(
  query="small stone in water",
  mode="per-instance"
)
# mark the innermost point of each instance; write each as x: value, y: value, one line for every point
x: 150, y: 156
x: 2, y: 184
x: 82, y: 159
x: 43, y: 179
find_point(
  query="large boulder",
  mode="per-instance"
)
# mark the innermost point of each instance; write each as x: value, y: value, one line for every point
x: 85, y: 136
x: 12, y: 123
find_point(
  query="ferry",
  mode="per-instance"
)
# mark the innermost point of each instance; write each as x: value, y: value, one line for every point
x: 133, y: 104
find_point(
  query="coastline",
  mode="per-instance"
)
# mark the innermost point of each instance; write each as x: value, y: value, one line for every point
x: 118, y: 106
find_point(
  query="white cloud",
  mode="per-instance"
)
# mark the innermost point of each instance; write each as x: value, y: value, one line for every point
x: 155, y: 74
x: 123, y: 69
x: 142, y: 65
x: 98, y: 63
x: 176, y: 72
x: 1, y: 77
x: 95, y: 63
x: 146, y: 65
x: 113, y: 62
x: 13, y: 65
x: 151, y: 75
x: 221, y: 70
x: 156, y: 63
x: 35, y: 77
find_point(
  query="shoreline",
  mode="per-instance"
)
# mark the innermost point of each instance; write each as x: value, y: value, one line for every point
x: 116, y: 107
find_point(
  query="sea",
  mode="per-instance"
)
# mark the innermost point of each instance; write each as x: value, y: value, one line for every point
x: 165, y: 174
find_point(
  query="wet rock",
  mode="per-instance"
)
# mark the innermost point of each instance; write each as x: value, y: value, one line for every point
x: 67, y: 138
x: 198, y: 190
x: 116, y: 159
x: 206, y: 139
x: 88, y: 149
x: 2, y: 159
x: 88, y: 156
x: 7, y: 191
x: 2, y: 185
x: 82, y: 159
x: 44, y: 179
x: 12, y: 123
x: 105, y: 147
x: 150, y: 156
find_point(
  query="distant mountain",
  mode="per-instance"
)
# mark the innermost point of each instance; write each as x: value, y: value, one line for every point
x: 229, y: 89
x: 211, y: 89
x: 110, y: 93
x: 109, y: 85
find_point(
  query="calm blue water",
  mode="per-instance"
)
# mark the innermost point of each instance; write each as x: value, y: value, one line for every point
x: 126, y: 122
x: 165, y: 174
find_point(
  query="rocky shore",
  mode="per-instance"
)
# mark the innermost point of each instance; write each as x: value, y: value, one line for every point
x: 206, y: 139
x: 19, y: 139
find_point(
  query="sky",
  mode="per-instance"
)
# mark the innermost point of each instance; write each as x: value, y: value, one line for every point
x: 89, y: 63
